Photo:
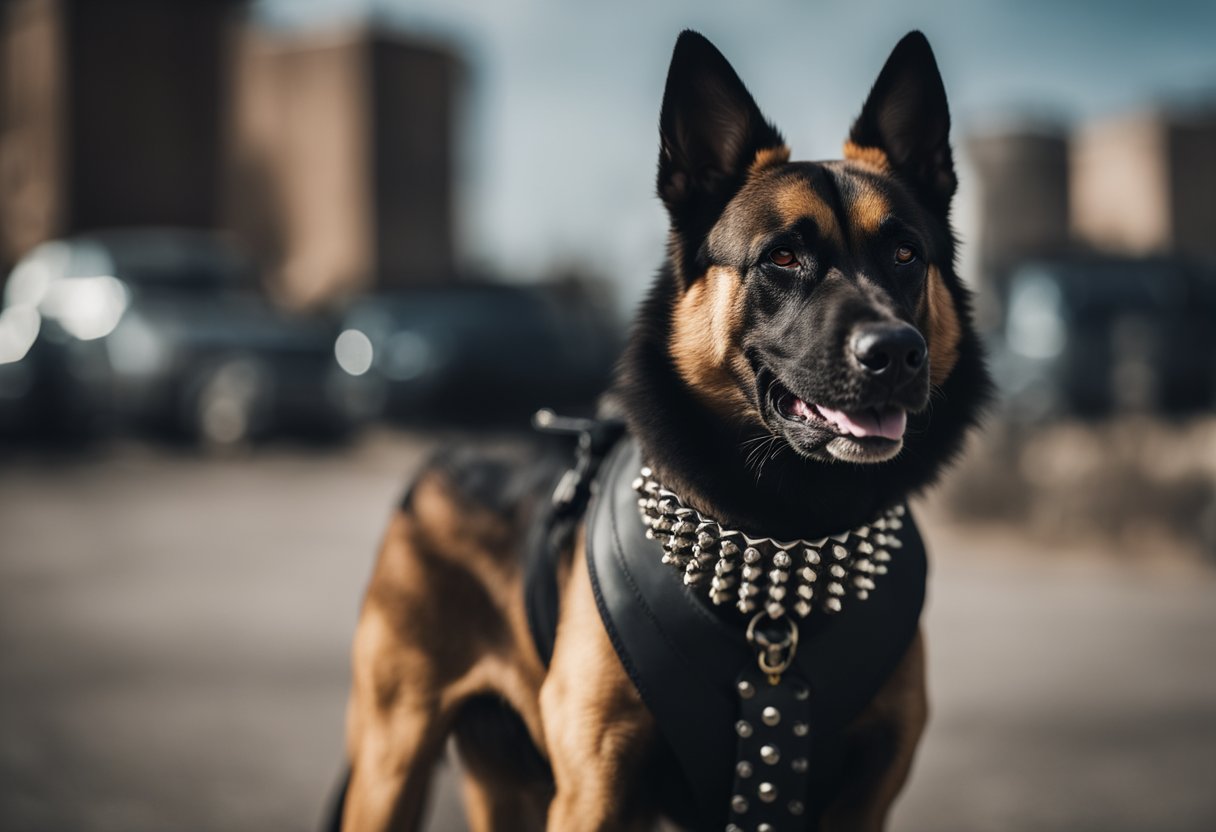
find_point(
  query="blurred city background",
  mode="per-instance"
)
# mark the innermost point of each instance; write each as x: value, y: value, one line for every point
x: 258, y: 258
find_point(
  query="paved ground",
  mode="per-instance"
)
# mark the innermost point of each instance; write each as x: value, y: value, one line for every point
x: 173, y: 637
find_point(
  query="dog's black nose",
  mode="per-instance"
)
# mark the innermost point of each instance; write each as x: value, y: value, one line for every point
x: 894, y: 351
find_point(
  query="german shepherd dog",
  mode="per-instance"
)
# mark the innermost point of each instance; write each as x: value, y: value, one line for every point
x: 805, y: 360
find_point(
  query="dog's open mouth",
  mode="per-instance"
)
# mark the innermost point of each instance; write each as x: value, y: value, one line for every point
x: 867, y: 434
x: 883, y: 422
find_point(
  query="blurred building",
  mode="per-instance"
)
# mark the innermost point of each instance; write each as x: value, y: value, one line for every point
x: 1024, y: 195
x: 111, y: 114
x: 1143, y: 184
x: 343, y: 163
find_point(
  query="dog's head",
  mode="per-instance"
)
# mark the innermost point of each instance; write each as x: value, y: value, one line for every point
x: 816, y: 301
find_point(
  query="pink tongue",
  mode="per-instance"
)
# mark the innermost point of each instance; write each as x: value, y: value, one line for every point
x: 888, y: 423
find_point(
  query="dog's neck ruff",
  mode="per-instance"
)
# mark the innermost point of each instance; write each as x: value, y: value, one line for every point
x: 792, y: 577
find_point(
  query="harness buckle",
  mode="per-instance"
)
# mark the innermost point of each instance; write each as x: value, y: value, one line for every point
x: 774, y: 649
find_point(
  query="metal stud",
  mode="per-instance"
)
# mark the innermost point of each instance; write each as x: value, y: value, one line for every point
x: 778, y: 576
x: 838, y: 571
x: 800, y: 765
x: 812, y: 557
x: 796, y: 808
x: 774, y: 609
x: 832, y: 605
x: 807, y: 574
x: 745, y: 605
x: 862, y: 582
x: 776, y: 592
x: 729, y: 548
x: 767, y: 792
x: 802, y: 693
x: 862, y: 532
x: 751, y: 572
x: 802, y: 608
x: 746, y: 689
x: 801, y: 729
x: 805, y: 591
x: 738, y: 804
x: 865, y: 547
x: 637, y: 484
x: 839, y: 552
x: 770, y: 754
x: 647, y: 471
x: 771, y: 716
x: 863, y: 594
x: 743, y: 728
x: 782, y: 560
x: 751, y: 554
x: 744, y: 769
x: 835, y: 588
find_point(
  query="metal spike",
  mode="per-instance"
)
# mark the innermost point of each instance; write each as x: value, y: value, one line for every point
x: 835, y: 588
x: 751, y: 554
x: 751, y: 572
x: 862, y: 595
x: 865, y: 547
x: 862, y: 582
x: 840, y: 552
x: 862, y: 532
x: 882, y: 556
x: 818, y: 544
x: 729, y: 548
x: 864, y: 565
x: 782, y: 560
x: 745, y: 605
x: 832, y: 605
x: 880, y: 570
x: 812, y: 556
x: 774, y: 609
x: 638, y: 484
x: 778, y: 576
x: 723, y: 567
x: 777, y: 593
x: 802, y: 608
x: 805, y: 591
x: 838, y: 571
x: 808, y: 574
x: 647, y: 471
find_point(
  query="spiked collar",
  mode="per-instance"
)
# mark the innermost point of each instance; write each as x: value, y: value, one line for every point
x: 783, y: 578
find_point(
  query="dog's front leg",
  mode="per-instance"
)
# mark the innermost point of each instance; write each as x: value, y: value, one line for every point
x: 597, y: 729
x: 881, y: 745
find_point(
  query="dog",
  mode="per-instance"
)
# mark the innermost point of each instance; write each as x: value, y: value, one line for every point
x: 804, y: 363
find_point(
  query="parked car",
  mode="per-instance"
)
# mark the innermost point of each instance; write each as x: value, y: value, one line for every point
x: 486, y: 354
x: 1091, y: 336
x: 164, y: 330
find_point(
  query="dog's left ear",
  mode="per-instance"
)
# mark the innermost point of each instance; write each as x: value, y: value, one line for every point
x: 905, y: 123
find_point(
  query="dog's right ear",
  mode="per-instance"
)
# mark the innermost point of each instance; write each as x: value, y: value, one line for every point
x: 710, y: 133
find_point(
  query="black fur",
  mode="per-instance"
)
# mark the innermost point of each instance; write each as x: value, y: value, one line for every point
x: 699, y: 453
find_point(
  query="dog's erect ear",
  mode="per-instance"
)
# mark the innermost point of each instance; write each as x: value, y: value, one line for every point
x: 905, y: 123
x: 710, y: 131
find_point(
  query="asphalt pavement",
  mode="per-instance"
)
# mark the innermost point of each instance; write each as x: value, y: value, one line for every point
x: 174, y: 633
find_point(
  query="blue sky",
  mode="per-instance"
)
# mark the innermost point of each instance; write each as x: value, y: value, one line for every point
x: 559, y: 127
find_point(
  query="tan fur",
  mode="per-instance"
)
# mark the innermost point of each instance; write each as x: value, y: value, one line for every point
x: 705, y: 343
x: 940, y: 323
x: 872, y: 157
x: 769, y: 157
x: 868, y: 210
x: 795, y: 200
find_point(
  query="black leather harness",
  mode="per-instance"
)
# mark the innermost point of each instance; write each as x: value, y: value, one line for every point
x: 753, y: 753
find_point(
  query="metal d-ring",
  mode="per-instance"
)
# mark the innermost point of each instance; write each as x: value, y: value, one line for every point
x: 774, y: 658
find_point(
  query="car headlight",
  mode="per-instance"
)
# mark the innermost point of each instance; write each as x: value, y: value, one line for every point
x: 19, y: 327
x: 86, y: 307
x: 354, y: 352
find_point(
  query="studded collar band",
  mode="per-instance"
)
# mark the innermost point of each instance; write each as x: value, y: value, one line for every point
x: 783, y: 578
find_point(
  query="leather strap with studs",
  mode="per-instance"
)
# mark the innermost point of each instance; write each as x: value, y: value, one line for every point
x: 773, y: 753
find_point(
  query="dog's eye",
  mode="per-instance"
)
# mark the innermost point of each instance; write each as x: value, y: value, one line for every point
x: 905, y: 254
x: 783, y: 257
